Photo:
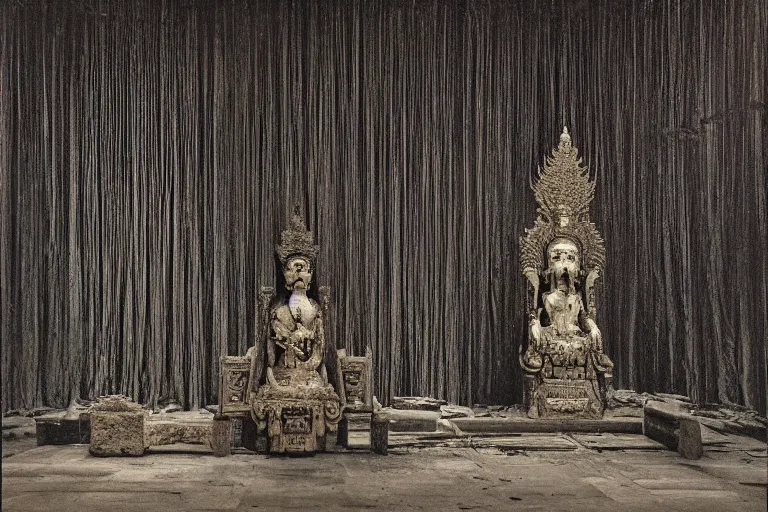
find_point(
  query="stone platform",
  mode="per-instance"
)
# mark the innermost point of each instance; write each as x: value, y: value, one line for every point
x: 525, y: 472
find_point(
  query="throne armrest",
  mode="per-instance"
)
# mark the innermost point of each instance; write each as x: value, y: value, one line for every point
x: 234, y: 385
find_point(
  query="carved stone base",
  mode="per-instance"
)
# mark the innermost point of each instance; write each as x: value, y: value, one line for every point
x: 564, y: 398
x: 292, y: 426
x: 117, y: 433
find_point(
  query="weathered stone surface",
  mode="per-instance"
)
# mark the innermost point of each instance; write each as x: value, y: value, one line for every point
x: 169, y: 432
x: 358, y: 421
x: 380, y: 433
x: 677, y: 430
x: 117, y: 433
x: 220, y: 437
x: 456, y: 411
x: 617, y: 442
x: 405, y: 420
x: 689, y: 439
x: 526, y: 442
x: 68, y: 479
x: 420, y: 403
x: 521, y: 425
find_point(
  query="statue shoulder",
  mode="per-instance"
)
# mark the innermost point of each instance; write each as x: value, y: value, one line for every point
x: 282, y: 313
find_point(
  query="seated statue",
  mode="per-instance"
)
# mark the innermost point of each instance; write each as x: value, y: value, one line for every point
x: 567, y: 370
x: 288, y: 394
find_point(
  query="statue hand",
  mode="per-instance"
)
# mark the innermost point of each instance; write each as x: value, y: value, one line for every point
x: 534, y: 330
x: 597, y: 338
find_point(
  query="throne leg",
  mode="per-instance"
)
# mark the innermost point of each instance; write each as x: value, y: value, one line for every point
x: 529, y: 396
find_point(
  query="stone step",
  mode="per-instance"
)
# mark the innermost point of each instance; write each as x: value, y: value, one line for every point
x: 525, y: 425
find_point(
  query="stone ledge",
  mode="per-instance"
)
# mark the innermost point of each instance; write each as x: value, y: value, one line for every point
x: 525, y: 425
x: 674, y: 429
x: 404, y: 420
x: 164, y: 432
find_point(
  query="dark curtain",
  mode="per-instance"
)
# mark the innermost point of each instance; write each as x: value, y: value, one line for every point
x: 151, y: 153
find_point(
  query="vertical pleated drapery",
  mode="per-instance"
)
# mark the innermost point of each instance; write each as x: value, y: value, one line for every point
x: 151, y: 151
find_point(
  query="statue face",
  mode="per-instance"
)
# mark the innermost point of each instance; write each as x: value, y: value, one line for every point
x: 563, y: 259
x: 297, y: 273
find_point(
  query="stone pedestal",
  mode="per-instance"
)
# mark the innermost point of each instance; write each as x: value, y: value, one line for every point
x: 220, y: 436
x: 380, y: 433
x: 564, y: 398
x: 294, y: 426
x: 117, y: 433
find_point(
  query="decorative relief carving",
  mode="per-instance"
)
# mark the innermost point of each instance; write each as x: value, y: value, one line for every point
x: 235, y: 374
x: 355, y: 376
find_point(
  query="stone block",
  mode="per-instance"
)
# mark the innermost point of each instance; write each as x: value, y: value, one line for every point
x: 676, y: 430
x: 220, y: 437
x: 163, y: 432
x: 412, y: 420
x: 358, y: 421
x: 118, y: 433
x: 355, y: 426
x: 380, y: 433
x: 524, y: 425
x: 61, y: 431
x: 417, y: 403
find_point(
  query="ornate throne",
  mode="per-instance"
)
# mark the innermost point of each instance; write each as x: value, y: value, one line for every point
x: 567, y: 372
x: 281, y: 384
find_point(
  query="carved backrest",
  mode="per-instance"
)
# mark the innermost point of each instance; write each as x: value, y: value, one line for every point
x: 355, y: 381
x: 563, y: 191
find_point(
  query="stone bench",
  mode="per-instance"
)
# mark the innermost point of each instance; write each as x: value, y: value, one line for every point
x: 673, y: 428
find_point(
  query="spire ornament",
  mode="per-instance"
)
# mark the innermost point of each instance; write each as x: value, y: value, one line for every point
x: 563, y: 191
x: 297, y: 240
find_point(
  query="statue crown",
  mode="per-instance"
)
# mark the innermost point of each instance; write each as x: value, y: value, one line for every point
x: 297, y: 240
x: 564, y: 191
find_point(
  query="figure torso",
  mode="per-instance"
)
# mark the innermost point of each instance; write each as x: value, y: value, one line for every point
x: 296, y: 307
x: 563, y: 310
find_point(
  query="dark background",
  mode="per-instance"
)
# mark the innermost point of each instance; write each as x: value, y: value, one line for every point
x: 150, y: 154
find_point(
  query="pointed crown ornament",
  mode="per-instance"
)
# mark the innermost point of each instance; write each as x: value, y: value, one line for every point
x: 563, y: 191
x: 297, y: 240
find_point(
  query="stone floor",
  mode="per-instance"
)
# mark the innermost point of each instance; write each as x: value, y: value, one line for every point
x: 520, y: 472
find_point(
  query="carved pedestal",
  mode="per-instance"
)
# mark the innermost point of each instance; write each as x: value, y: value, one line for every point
x: 296, y: 417
x: 564, y: 398
x: 293, y: 426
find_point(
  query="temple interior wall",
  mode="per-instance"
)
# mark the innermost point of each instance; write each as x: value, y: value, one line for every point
x: 150, y: 153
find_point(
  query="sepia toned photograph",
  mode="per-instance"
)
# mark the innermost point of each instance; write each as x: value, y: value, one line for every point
x: 434, y: 255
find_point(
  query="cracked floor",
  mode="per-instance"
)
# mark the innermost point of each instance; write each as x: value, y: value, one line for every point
x: 521, y: 472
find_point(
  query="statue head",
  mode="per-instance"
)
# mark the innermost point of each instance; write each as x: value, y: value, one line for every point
x: 298, y: 273
x: 564, y: 262
x: 297, y: 253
